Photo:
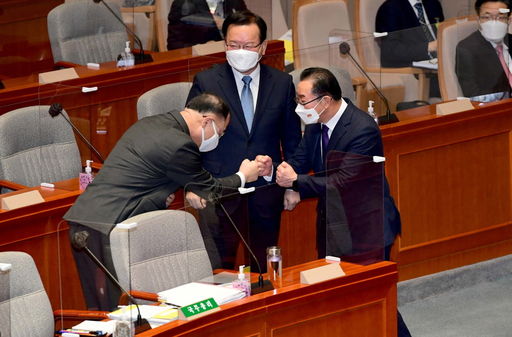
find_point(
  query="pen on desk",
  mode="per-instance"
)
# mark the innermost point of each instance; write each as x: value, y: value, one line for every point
x: 84, y: 333
x: 172, y: 304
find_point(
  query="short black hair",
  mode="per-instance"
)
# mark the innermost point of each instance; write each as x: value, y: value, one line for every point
x: 324, y: 82
x: 207, y: 102
x: 243, y: 18
x: 479, y: 4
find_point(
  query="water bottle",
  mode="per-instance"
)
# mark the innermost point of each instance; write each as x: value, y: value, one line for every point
x: 274, y: 263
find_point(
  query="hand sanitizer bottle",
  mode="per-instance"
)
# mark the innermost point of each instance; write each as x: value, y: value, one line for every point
x: 371, y: 111
x: 242, y: 283
x: 87, y: 177
x: 127, y: 57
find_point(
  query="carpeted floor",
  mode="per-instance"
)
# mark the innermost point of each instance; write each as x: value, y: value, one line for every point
x: 474, y: 300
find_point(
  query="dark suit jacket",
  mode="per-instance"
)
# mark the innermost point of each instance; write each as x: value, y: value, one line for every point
x: 154, y: 158
x: 478, y: 67
x: 191, y: 23
x: 356, y: 132
x: 406, y: 41
x: 275, y: 130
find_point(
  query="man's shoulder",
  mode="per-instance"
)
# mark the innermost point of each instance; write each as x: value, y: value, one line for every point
x: 471, y: 40
x: 274, y: 74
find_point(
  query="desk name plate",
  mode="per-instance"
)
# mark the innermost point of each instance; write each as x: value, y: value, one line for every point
x: 198, y: 309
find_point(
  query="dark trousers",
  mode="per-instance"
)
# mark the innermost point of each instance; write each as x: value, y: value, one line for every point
x: 259, y: 228
x: 100, y: 293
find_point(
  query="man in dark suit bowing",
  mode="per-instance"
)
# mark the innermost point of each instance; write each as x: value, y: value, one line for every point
x: 332, y: 124
x: 263, y: 121
x: 153, y: 159
x: 482, y: 61
x: 411, y: 29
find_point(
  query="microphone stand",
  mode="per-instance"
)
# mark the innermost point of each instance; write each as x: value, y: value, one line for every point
x: 140, y: 57
x: 389, y: 117
x: 261, y: 285
x: 80, y: 242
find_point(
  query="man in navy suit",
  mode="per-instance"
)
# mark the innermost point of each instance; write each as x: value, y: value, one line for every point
x: 337, y: 124
x: 408, y: 40
x: 263, y: 122
x: 349, y: 130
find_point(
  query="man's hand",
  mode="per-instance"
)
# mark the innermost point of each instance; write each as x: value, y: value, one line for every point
x: 195, y: 201
x: 264, y: 165
x: 169, y: 200
x: 250, y: 170
x: 432, y: 46
x: 291, y: 199
x: 285, y: 175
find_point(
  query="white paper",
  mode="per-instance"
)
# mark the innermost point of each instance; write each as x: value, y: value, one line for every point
x: 426, y: 64
x: 105, y: 326
x: 194, y: 292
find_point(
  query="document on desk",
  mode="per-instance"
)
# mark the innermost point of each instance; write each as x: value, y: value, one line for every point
x: 154, y: 314
x: 194, y: 292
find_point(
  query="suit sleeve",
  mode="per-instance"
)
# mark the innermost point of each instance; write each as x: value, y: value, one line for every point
x: 196, y: 88
x: 367, y: 143
x: 186, y: 170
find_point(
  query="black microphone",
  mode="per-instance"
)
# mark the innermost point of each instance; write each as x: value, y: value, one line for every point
x: 79, y: 242
x: 55, y: 110
x: 389, y: 117
x: 256, y: 287
x: 140, y: 57
x: 214, y: 197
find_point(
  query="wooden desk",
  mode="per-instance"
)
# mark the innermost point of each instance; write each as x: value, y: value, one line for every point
x: 104, y: 115
x: 451, y: 179
x: 362, y: 303
x: 38, y: 231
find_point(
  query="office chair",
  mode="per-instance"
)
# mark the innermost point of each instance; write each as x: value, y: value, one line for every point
x: 83, y: 31
x: 163, y: 99
x: 163, y: 251
x: 36, y: 148
x: 30, y: 311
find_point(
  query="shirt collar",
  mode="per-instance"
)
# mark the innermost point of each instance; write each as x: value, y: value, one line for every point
x: 331, y: 123
x: 255, y: 75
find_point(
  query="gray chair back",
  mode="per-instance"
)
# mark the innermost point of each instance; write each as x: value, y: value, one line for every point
x: 163, y: 251
x: 30, y: 309
x: 84, y: 31
x: 163, y: 99
x: 343, y: 77
x: 35, y: 148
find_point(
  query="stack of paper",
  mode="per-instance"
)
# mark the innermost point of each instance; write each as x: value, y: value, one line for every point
x: 105, y: 326
x: 194, y: 292
x: 154, y: 314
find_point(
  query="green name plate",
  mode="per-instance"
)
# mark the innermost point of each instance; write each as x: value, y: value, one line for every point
x: 198, y: 309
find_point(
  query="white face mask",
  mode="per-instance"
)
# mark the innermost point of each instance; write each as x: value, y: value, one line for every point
x: 242, y: 60
x: 210, y: 143
x: 308, y: 116
x: 493, y: 31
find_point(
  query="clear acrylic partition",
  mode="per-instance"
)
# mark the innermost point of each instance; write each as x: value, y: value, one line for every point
x: 352, y: 215
x: 5, y: 303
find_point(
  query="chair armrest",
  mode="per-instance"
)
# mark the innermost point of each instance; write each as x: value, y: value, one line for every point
x: 79, y: 315
x: 12, y: 185
x: 96, y: 166
x: 359, y: 81
x: 65, y: 64
x: 138, y: 9
x: 402, y: 70
x: 141, y: 295
x: 221, y: 270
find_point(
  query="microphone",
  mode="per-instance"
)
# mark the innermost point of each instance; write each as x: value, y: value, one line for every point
x: 389, y: 117
x: 79, y: 242
x: 55, y: 110
x: 256, y: 287
x: 140, y: 57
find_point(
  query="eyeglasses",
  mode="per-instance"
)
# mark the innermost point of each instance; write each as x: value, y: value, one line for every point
x: 234, y: 45
x: 297, y: 100
x: 487, y: 17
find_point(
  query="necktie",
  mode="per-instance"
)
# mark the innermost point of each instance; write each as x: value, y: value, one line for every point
x: 247, y: 102
x: 325, y: 139
x: 423, y: 23
x: 499, y: 50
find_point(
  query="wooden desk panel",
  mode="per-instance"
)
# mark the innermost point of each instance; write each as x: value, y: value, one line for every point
x: 362, y: 303
x: 451, y: 178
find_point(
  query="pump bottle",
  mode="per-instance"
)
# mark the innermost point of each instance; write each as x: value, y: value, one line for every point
x: 86, y: 178
x: 127, y: 57
x: 242, y: 283
x: 371, y: 111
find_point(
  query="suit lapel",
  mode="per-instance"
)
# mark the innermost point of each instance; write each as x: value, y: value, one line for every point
x: 336, y: 140
x: 229, y: 89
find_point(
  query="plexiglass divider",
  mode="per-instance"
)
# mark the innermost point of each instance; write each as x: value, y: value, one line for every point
x: 352, y: 212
